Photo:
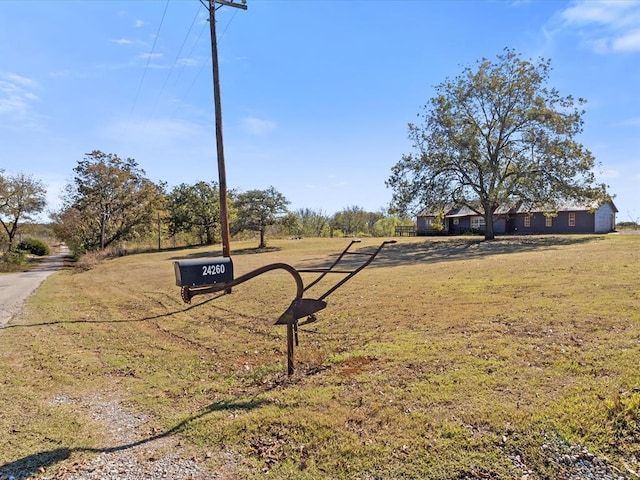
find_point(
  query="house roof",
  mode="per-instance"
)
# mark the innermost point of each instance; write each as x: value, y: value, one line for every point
x: 452, y: 210
x: 435, y: 211
x: 566, y: 206
x: 514, y: 207
x: 462, y: 211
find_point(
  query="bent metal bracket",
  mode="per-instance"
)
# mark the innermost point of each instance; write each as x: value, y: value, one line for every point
x: 212, y: 275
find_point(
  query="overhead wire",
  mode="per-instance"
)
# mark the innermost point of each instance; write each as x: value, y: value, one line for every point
x: 146, y: 67
x: 190, y: 54
x: 208, y: 62
x: 175, y: 61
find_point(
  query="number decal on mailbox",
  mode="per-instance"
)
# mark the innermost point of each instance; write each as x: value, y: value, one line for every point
x: 217, y: 269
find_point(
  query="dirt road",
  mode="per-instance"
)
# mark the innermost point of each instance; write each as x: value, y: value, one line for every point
x: 16, y: 287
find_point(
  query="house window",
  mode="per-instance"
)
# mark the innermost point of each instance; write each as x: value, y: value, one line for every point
x: 548, y: 221
x: 477, y: 223
x: 527, y: 220
x: 572, y: 219
x: 456, y: 221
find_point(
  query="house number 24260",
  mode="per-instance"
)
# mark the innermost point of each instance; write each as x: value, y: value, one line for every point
x: 212, y: 269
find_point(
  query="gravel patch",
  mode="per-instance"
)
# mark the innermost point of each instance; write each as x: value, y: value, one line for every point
x: 573, y: 462
x: 135, y: 451
x: 577, y: 463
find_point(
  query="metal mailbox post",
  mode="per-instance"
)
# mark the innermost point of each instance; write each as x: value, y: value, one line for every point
x: 215, y: 274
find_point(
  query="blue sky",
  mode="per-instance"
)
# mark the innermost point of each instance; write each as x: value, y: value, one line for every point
x: 316, y: 94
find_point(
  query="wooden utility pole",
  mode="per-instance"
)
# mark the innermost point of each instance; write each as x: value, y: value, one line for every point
x: 222, y: 174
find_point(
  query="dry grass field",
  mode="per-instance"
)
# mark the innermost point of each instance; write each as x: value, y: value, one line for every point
x: 447, y: 358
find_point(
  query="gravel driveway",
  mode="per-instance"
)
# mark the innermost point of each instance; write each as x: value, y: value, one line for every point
x: 15, y: 288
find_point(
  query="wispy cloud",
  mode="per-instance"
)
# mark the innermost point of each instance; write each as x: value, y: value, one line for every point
x: 629, y: 122
x: 605, y: 26
x: 610, y: 173
x: 257, y: 126
x: 122, y: 41
x: 150, y: 55
x: 604, y: 12
x: 139, y: 23
x: 629, y: 42
x: 189, y: 62
x: 17, y: 98
x: 19, y: 80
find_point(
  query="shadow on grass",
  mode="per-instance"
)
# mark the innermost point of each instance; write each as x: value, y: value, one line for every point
x: 241, y: 251
x: 36, y: 463
x: 465, y: 248
x: 128, y: 320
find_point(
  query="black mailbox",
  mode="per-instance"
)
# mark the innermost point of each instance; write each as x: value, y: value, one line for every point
x: 203, y: 271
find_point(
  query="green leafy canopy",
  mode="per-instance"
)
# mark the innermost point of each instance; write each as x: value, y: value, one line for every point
x: 495, y: 133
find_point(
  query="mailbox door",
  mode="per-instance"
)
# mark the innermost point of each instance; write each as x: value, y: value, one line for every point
x: 203, y: 271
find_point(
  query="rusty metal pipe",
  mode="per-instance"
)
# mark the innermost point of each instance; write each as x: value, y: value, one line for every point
x: 344, y: 280
x: 218, y: 287
x: 332, y: 265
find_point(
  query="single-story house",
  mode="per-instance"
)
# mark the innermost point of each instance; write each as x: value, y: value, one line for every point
x: 520, y: 218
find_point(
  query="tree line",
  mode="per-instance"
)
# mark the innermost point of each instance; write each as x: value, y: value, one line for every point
x: 110, y: 201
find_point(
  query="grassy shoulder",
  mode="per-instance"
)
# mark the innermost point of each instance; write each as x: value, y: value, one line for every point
x: 446, y: 357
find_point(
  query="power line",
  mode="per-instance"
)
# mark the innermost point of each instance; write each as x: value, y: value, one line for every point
x: 228, y: 24
x: 204, y: 64
x: 146, y: 67
x: 175, y: 61
x: 189, y: 55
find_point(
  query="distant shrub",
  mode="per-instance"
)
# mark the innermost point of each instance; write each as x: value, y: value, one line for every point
x: 633, y: 225
x: 34, y: 246
x: 12, y: 261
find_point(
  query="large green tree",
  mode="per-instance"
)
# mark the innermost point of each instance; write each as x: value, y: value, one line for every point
x: 195, y: 209
x: 110, y: 200
x: 495, y: 133
x: 257, y: 209
x: 21, y: 197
